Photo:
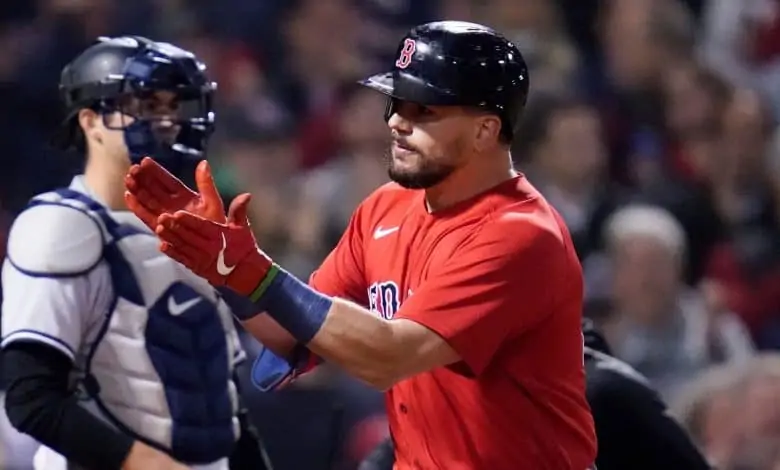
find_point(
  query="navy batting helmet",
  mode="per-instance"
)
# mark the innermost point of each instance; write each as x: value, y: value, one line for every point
x: 454, y: 63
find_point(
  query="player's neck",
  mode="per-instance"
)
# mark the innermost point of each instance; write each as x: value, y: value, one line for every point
x: 106, y: 180
x: 470, y: 180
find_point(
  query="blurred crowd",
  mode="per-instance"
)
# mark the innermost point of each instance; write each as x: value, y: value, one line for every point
x: 651, y: 126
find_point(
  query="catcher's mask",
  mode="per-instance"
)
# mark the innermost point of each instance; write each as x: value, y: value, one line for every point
x: 159, y: 92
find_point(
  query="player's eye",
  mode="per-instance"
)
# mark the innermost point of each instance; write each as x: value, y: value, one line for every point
x: 414, y: 111
x: 421, y: 112
x: 157, y: 109
x: 425, y: 111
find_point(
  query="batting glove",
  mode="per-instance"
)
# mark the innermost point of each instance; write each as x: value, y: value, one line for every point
x: 152, y: 191
x: 225, y: 254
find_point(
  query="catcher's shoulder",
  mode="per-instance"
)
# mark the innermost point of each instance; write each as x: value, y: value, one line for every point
x: 54, y: 239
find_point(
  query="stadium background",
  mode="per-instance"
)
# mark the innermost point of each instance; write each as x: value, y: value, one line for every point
x: 665, y: 102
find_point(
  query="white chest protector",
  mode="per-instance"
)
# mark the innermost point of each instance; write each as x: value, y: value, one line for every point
x: 159, y: 364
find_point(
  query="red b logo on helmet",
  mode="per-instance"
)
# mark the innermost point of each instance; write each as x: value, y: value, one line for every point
x: 405, y: 58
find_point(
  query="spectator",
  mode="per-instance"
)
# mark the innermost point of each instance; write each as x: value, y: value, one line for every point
x: 641, y: 39
x: 747, y: 262
x: 732, y: 411
x: 539, y: 32
x: 659, y: 326
x: 329, y: 193
x: 742, y: 40
x: 709, y: 407
x: 568, y: 163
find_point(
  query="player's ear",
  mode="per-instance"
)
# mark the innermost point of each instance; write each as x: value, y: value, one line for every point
x: 92, y: 125
x: 488, y: 131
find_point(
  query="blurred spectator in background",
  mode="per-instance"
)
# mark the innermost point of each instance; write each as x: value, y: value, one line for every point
x: 746, y: 264
x: 742, y: 41
x: 538, y: 30
x: 641, y: 39
x: 324, y: 53
x: 563, y: 151
x: 664, y: 329
x: 694, y: 99
x: 261, y: 160
x: 709, y: 408
x: 328, y: 194
x: 733, y: 412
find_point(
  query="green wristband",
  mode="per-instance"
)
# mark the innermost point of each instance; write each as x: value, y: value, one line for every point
x: 263, y: 286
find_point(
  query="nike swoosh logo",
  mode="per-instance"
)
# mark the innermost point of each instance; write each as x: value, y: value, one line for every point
x: 177, y: 309
x: 222, y: 268
x: 383, y: 232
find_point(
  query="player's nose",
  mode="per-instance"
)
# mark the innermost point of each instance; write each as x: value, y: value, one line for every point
x: 399, y: 125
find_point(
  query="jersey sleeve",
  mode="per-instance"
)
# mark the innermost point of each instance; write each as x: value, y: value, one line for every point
x: 497, y: 284
x: 341, y: 274
x: 54, y: 286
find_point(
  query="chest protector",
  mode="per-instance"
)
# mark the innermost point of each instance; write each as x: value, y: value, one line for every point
x: 159, y: 363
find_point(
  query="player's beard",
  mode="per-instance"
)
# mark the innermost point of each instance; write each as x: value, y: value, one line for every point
x: 428, y: 174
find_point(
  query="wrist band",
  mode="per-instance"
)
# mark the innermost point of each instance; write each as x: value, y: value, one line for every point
x: 298, y: 308
x: 269, y: 371
x: 241, y: 307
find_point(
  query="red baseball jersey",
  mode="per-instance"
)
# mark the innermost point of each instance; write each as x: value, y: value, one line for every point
x: 497, y: 277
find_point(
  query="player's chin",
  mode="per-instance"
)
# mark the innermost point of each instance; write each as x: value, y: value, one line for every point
x: 404, y: 157
x: 403, y: 162
x: 410, y: 178
x: 418, y: 176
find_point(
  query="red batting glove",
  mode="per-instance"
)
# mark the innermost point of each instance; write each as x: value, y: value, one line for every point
x: 152, y: 190
x: 225, y: 254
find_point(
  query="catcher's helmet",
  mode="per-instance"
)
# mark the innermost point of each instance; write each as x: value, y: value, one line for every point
x: 110, y: 74
x: 454, y: 63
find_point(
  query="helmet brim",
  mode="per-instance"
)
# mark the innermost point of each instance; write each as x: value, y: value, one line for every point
x: 408, y: 87
x: 381, y: 82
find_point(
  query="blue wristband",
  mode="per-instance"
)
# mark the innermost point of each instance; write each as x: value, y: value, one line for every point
x: 297, y: 307
x: 270, y: 370
x: 241, y: 307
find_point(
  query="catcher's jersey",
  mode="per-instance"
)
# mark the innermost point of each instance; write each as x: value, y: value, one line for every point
x: 153, y: 346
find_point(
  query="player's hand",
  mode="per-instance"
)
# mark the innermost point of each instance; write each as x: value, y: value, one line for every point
x: 144, y: 457
x: 152, y: 190
x: 225, y: 254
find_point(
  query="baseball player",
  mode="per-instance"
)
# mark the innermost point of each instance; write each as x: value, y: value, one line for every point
x: 115, y: 355
x: 419, y: 297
